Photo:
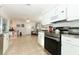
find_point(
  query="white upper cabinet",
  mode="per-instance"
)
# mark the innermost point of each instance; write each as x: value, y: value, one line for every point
x: 47, y: 17
x: 72, y: 12
x: 60, y: 13
x: 55, y: 14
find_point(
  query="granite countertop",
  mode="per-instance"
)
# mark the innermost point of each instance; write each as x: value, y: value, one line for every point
x: 52, y: 36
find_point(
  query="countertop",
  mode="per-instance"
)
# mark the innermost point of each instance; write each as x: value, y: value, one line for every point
x: 52, y: 36
x: 57, y: 36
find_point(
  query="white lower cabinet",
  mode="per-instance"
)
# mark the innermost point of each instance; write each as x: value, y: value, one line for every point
x: 41, y: 38
x: 69, y: 49
x: 5, y: 42
x: 70, y: 46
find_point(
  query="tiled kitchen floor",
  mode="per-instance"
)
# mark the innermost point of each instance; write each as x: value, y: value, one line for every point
x: 26, y: 45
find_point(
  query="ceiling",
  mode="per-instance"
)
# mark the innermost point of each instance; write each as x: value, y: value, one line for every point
x: 26, y: 11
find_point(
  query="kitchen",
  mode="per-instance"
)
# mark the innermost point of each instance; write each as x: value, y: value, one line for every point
x: 65, y: 27
x: 57, y: 28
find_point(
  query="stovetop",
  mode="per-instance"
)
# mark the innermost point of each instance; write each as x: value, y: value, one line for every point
x: 53, y: 34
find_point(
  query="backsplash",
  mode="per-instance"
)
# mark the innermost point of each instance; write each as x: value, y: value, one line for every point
x: 66, y: 24
x: 74, y: 30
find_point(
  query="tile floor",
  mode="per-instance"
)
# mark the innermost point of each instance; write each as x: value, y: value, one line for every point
x: 26, y: 45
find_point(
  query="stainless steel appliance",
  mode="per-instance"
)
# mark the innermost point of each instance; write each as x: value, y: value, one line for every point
x: 53, y: 43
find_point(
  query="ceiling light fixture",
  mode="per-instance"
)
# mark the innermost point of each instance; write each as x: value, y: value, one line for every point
x: 27, y: 21
x: 28, y: 4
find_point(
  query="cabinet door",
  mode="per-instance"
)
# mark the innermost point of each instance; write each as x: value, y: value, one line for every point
x: 70, y: 49
x: 62, y: 12
x: 5, y: 42
x: 72, y: 12
x: 49, y: 16
x: 70, y: 46
x: 41, y: 38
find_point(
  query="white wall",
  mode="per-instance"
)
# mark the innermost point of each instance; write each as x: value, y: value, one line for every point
x: 27, y: 26
x: 3, y: 14
x: 21, y: 29
x: 45, y: 19
x: 14, y: 25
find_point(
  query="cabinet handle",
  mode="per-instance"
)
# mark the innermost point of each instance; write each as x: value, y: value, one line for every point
x: 68, y: 40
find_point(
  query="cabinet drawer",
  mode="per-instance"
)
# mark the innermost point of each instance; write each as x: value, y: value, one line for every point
x: 69, y: 49
x: 72, y: 41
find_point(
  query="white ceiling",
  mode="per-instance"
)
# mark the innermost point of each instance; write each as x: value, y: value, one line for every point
x: 24, y: 11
